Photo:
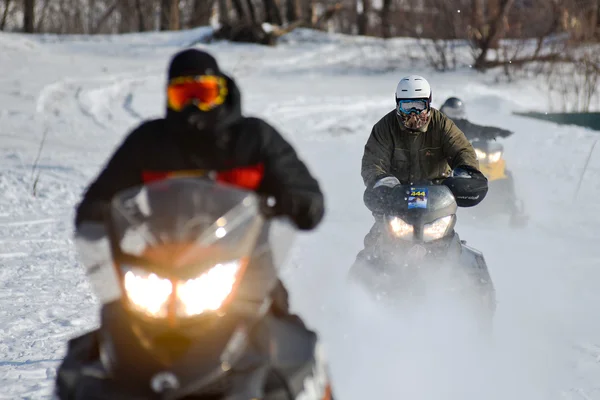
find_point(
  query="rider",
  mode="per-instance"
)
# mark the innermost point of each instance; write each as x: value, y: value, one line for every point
x: 204, y: 134
x: 412, y: 143
x: 454, y: 108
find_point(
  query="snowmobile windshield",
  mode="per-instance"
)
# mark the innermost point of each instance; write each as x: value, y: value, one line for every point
x: 184, y: 226
x: 182, y: 245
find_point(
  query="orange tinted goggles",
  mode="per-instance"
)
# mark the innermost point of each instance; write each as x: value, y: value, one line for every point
x: 206, y: 92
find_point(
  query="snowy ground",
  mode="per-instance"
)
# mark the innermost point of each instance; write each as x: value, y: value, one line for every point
x: 81, y: 95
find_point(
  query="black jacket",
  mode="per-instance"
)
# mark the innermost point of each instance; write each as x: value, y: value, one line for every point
x: 473, y: 131
x: 246, y: 152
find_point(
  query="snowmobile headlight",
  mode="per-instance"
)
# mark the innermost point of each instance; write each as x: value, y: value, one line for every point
x: 481, y: 155
x: 147, y: 292
x: 151, y: 294
x: 437, y: 229
x: 400, y: 228
x: 494, y: 157
x: 208, y: 291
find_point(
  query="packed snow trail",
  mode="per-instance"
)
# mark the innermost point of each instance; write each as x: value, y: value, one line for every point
x: 80, y: 95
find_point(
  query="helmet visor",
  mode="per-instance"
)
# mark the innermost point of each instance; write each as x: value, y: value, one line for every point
x: 412, y: 106
x: 206, y: 92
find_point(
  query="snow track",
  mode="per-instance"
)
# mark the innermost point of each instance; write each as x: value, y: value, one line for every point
x: 81, y: 95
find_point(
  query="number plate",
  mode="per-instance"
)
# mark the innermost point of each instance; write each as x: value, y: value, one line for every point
x: 417, y: 198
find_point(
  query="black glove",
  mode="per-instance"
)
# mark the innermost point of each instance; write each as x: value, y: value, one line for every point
x: 505, y: 133
x: 470, y: 189
x: 379, y: 200
x: 305, y: 208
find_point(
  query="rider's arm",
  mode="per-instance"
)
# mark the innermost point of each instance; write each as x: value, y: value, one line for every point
x: 287, y: 177
x: 482, y: 132
x: 457, y: 148
x: 120, y: 172
x: 377, y: 156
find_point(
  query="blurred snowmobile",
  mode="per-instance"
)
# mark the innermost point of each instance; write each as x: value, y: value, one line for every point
x: 501, y: 198
x: 420, y: 248
x: 190, y: 320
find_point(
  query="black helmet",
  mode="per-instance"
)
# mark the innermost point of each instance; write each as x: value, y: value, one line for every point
x: 454, y: 108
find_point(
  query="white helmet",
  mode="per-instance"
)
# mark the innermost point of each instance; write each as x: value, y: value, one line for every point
x: 413, y: 87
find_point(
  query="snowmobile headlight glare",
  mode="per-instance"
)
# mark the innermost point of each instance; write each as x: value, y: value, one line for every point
x: 147, y: 292
x: 437, y: 229
x: 400, y: 228
x: 209, y: 291
x: 481, y: 155
x: 495, y: 157
x: 152, y: 295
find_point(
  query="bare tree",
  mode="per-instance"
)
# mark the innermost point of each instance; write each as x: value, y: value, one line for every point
x: 363, y: 17
x: 201, y: 12
x: 105, y: 16
x: 169, y: 13
x: 252, y: 12
x: 494, y: 32
x: 7, y: 4
x: 386, y: 30
x: 224, y: 8
x: 28, y: 16
x: 272, y: 12
x: 309, y: 13
x: 292, y: 10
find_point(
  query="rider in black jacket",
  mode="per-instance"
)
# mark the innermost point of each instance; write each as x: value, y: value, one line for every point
x: 205, y: 134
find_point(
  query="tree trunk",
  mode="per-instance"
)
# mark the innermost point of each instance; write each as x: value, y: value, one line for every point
x: 386, y: 25
x: 174, y: 17
x: 169, y: 13
x: 363, y: 18
x: 4, y: 14
x: 494, y: 34
x: 28, y: 16
x: 107, y: 13
x: 308, y: 13
x: 223, y: 12
x: 125, y: 13
x: 141, y: 21
x: 477, y: 14
x: 272, y: 12
x: 240, y: 11
x: 251, y: 12
x: 201, y: 12
x: 292, y: 12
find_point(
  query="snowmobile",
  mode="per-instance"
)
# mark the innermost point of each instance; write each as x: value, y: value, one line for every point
x: 190, y: 319
x: 419, y: 252
x: 501, y: 198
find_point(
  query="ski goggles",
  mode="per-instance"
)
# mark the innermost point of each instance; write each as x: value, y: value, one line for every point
x: 205, y: 92
x: 412, y: 105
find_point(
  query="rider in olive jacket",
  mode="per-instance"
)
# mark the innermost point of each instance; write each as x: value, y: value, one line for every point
x: 412, y: 143
x: 430, y: 152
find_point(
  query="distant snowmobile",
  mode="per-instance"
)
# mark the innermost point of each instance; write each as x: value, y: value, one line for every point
x: 419, y: 244
x: 191, y: 321
x: 501, y: 198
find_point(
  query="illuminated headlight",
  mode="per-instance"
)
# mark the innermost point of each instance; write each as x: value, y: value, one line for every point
x: 481, y: 155
x: 400, y: 228
x: 147, y: 292
x: 495, y: 157
x: 208, y: 291
x: 437, y: 229
x: 150, y: 294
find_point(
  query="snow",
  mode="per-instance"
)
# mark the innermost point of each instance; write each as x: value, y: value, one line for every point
x: 81, y: 95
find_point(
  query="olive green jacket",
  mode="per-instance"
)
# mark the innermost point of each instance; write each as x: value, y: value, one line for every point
x: 410, y: 156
